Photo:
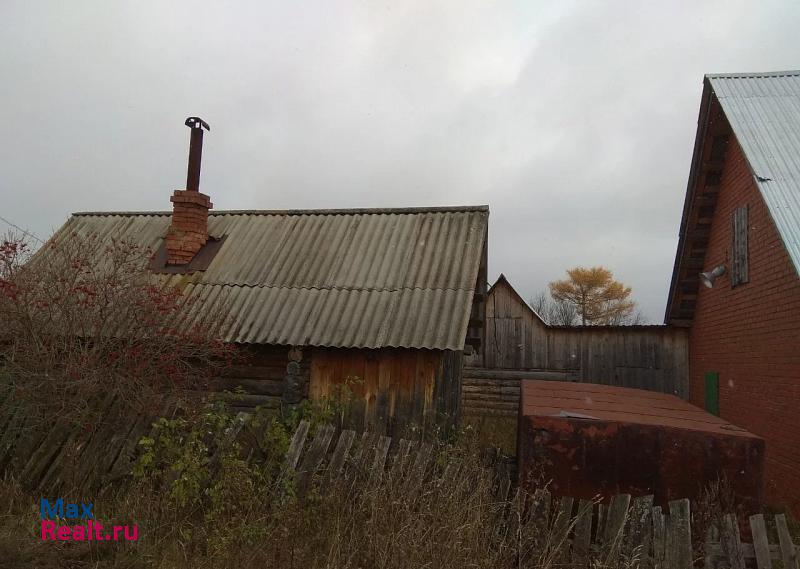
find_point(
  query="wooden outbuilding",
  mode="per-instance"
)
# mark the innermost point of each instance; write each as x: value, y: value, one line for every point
x: 517, y: 338
x: 380, y: 301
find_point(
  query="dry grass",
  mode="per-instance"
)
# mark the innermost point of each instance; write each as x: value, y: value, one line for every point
x: 493, y: 431
x: 249, y: 518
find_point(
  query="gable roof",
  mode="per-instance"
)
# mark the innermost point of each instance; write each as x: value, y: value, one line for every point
x: 763, y: 113
x: 502, y: 280
x: 365, y: 278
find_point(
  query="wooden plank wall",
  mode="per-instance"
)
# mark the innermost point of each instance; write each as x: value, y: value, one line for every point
x: 654, y: 358
x: 394, y: 389
x: 646, y: 357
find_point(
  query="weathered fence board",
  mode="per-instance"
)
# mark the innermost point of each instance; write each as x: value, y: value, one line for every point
x: 51, y: 457
x: 760, y: 541
x: 315, y: 455
x: 617, y: 516
x: 789, y: 553
x: 732, y: 543
x: 296, y: 446
x: 679, y: 532
x: 340, y: 453
x: 731, y: 553
x: 659, y: 538
x: 582, y: 539
x: 381, y: 454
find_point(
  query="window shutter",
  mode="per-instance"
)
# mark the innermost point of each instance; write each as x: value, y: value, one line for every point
x: 739, y: 269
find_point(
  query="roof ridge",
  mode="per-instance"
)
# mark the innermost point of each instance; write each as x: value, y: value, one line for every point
x: 754, y: 75
x: 341, y: 211
x: 344, y: 288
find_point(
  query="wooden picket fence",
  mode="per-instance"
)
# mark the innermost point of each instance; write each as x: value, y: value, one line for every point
x: 725, y: 548
x: 631, y: 531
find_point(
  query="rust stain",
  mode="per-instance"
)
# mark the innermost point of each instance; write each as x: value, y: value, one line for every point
x: 639, y: 443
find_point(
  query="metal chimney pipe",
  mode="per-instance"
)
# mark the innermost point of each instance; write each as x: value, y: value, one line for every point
x: 196, y: 124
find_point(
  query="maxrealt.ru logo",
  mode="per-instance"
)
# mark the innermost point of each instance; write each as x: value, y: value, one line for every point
x: 75, y: 522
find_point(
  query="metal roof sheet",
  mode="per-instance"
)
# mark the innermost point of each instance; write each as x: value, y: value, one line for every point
x: 366, y: 278
x: 763, y: 110
x: 588, y: 401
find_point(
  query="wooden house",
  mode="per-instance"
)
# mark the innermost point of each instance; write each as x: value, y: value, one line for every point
x: 384, y: 300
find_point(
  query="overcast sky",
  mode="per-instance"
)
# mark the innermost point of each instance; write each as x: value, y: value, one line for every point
x: 573, y: 121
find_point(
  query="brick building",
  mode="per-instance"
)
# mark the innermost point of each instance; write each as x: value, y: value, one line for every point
x: 742, y: 212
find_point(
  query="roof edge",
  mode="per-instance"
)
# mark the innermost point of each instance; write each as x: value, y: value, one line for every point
x: 754, y: 75
x: 342, y: 211
x: 706, y: 99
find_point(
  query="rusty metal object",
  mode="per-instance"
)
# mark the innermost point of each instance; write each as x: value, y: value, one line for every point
x: 196, y: 124
x: 597, y: 439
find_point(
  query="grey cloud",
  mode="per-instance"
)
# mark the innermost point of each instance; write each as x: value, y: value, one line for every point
x: 574, y: 121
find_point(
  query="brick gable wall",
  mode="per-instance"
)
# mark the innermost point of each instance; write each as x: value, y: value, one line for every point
x: 750, y: 335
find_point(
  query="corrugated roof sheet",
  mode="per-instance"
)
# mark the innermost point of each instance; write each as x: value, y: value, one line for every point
x: 763, y: 110
x: 366, y: 278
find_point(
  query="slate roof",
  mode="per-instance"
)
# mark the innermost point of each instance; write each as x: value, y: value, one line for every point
x: 360, y: 278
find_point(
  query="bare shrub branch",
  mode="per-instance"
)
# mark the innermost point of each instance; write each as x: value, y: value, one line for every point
x: 84, y: 323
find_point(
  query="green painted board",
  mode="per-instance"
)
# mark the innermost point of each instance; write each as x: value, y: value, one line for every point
x: 712, y: 392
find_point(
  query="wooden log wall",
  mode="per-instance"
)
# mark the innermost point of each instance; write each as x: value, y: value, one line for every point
x: 494, y: 392
x: 261, y: 376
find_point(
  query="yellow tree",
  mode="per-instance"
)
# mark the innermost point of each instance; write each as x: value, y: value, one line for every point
x: 597, y: 297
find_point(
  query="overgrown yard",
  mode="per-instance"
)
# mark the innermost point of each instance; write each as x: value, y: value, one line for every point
x: 199, y: 502
x: 214, y: 490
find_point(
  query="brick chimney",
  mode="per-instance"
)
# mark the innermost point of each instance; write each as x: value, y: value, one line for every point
x: 188, y: 231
